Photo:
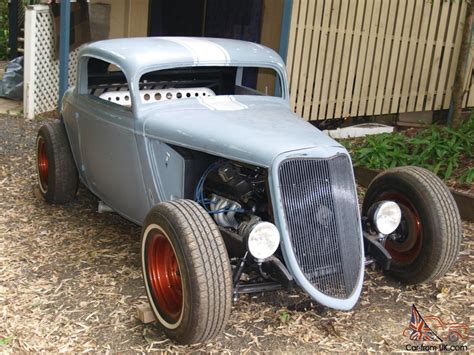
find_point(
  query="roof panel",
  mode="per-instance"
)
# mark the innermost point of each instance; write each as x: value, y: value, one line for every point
x: 135, y: 55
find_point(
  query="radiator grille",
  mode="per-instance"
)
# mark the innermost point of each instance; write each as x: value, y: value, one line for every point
x: 320, y: 206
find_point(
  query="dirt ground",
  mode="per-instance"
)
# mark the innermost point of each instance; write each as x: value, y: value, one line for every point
x: 70, y: 278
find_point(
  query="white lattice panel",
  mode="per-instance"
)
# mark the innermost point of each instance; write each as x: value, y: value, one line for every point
x: 41, y: 67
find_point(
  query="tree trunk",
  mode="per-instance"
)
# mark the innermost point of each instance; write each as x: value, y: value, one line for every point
x: 459, y: 78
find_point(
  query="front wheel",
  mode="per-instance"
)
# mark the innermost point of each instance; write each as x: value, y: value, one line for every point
x: 186, y: 271
x: 427, y: 241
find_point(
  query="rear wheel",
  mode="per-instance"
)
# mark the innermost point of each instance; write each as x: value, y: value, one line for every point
x: 186, y: 271
x: 428, y: 239
x: 56, y: 170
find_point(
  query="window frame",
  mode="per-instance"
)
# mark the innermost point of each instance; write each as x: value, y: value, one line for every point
x: 82, y: 87
x: 281, y: 77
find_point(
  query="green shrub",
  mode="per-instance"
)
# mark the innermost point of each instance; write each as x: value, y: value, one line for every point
x: 442, y: 150
x: 3, y: 29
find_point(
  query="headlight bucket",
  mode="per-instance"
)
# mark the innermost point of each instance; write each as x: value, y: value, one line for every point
x: 385, y: 216
x: 261, y: 238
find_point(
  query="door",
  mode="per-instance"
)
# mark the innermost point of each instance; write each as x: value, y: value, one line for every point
x: 110, y: 160
x: 240, y: 19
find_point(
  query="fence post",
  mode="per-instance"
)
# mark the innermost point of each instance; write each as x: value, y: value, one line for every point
x: 29, y: 63
x: 65, y: 29
x: 459, y: 83
x: 284, y: 37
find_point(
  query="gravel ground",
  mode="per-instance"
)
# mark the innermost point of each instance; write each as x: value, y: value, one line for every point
x: 70, y: 279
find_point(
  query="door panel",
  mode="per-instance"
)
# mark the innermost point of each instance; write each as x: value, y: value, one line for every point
x: 110, y: 157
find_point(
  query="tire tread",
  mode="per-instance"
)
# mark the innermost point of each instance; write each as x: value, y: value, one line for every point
x: 211, y: 271
x: 62, y: 173
x: 448, y: 223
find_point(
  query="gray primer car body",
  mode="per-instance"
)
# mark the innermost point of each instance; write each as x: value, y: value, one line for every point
x: 124, y: 156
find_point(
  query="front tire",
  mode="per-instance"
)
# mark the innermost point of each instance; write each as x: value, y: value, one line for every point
x: 428, y: 240
x: 56, y: 170
x: 186, y: 271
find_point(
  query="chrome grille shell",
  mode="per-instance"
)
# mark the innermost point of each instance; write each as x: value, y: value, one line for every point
x: 315, y: 200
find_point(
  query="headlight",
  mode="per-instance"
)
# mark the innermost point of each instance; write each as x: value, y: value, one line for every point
x: 387, y: 217
x: 263, y: 240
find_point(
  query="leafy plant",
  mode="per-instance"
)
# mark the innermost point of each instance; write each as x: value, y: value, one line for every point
x: 284, y: 317
x: 31, y: 2
x: 5, y: 341
x: 3, y: 29
x: 468, y: 176
x: 442, y: 150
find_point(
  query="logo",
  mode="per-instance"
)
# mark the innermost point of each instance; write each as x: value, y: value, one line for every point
x: 433, y: 329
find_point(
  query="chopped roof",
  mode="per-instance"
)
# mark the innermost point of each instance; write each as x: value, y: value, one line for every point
x: 136, y: 55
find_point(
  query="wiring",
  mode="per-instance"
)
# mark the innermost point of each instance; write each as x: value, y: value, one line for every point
x: 199, y: 192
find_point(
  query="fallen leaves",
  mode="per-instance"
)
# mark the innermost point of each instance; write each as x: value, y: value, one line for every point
x: 70, y: 279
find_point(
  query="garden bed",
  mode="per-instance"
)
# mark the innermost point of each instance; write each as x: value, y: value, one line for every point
x: 442, y: 150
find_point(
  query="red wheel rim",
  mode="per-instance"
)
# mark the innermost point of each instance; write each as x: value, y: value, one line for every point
x: 43, y: 164
x: 164, y: 276
x: 406, y: 250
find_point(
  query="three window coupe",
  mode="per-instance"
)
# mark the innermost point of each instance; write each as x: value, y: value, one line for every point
x: 194, y: 139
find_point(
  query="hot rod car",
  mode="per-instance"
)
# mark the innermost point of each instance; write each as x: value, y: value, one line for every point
x: 194, y: 140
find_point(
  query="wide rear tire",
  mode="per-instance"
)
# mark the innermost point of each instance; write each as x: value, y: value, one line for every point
x: 186, y: 271
x: 430, y: 233
x: 56, y: 170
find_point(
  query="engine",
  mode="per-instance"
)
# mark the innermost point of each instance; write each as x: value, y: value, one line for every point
x: 235, y: 192
x: 236, y: 196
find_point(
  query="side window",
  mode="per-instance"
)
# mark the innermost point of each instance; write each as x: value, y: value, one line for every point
x: 257, y: 81
x: 107, y: 82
